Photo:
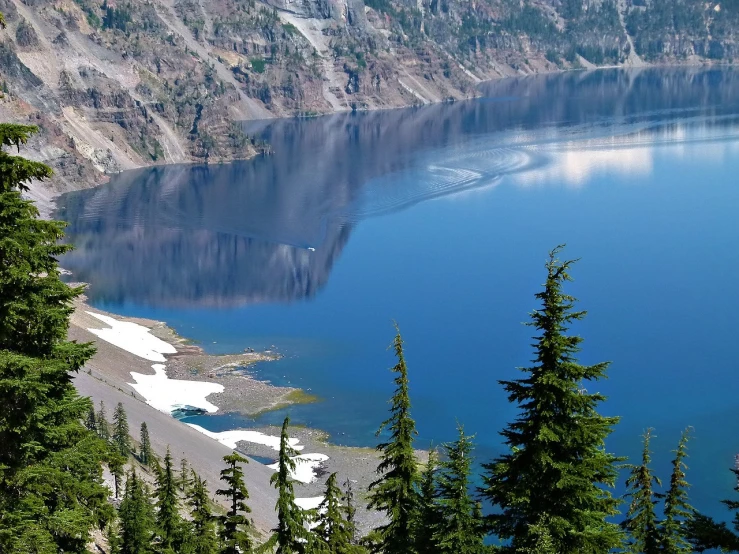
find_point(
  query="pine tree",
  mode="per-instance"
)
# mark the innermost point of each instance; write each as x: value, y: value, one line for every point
x: 395, y: 492
x: 168, y: 520
x: 102, y: 423
x: 115, y: 464
x: 234, y: 529
x: 51, y: 489
x: 350, y: 509
x: 459, y: 530
x: 136, y: 518
x: 290, y: 534
x: 333, y: 532
x: 145, y: 451
x: 677, y: 511
x: 121, y: 440
x: 555, y: 478
x: 91, y: 421
x: 641, y: 518
x: 428, y: 515
x: 184, y: 480
x: 202, y: 539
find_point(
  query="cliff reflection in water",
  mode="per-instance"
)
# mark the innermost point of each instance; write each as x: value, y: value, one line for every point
x: 270, y: 229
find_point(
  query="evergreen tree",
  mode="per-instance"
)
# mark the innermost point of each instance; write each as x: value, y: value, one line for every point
x: 202, y: 540
x: 234, y: 529
x: 459, y: 530
x: 184, y: 481
x: 102, y: 423
x: 290, y: 536
x: 168, y: 520
x: 333, y: 532
x: 91, y: 421
x: 641, y: 519
x: 395, y: 492
x: 121, y: 440
x: 677, y: 511
x: 115, y: 464
x: 136, y: 518
x: 51, y: 489
x: 428, y: 514
x: 145, y: 451
x: 553, y: 483
x: 350, y: 509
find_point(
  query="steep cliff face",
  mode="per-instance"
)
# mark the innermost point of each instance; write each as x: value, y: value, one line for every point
x: 118, y: 84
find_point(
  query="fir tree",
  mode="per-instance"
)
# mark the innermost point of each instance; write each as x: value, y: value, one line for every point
x: 102, y: 423
x: 428, y: 514
x: 51, y: 489
x: 121, y: 440
x: 115, y: 464
x: 202, y: 539
x: 555, y: 478
x: 641, y: 519
x: 234, y: 529
x: 290, y: 535
x: 350, y: 509
x: 394, y: 492
x: 184, y: 480
x: 677, y: 511
x: 459, y: 530
x: 333, y: 532
x: 168, y: 520
x: 136, y: 518
x: 145, y: 451
x: 91, y: 420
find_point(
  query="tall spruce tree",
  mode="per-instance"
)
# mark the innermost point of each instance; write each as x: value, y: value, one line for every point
x: 116, y: 464
x: 103, y: 425
x: 428, y: 515
x: 459, y: 529
x: 121, y: 439
x: 184, y: 480
x: 168, y: 520
x: 202, y: 539
x: 234, y: 528
x: 51, y: 489
x: 145, y: 450
x: 136, y: 518
x: 395, y: 491
x: 677, y: 511
x: 555, y: 477
x: 641, y: 518
x: 350, y: 509
x: 333, y: 532
x: 91, y: 420
x: 290, y: 535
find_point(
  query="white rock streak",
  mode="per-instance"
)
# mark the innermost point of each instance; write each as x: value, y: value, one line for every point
x: 133, y: 338
x: 230, y: 438
x: 167, y: 394
x: 304, y: 466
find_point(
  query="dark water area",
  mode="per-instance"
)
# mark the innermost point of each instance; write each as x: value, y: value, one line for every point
x: 440, y: 218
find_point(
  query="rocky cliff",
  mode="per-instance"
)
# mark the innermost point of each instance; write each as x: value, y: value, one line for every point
x: 119, y: 84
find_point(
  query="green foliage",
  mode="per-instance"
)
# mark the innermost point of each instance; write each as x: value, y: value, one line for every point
x: 556, y: 475
x: 395, y: 491
x: 145, y: 453
x: 120, y: 437
x: 428, y: 515
x: 333, y: 533
x: 136, y: 518
x: 103, y: 427
x: 202, y: 538
x: 116, y: 462
x: 258, y: 64
x: 641, y: 519
x: 168, y: 520
x: 234, y: 528
x: 677, y: 511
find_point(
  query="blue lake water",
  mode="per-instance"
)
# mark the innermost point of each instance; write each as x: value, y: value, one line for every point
x: 440, y: 218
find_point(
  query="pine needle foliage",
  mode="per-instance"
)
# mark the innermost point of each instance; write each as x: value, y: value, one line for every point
x: 103, y: 426
x: 350, y: 509
x: 168, y: 520
x: 428, y: 515
x: 136, y: 518
x: 145, y: 450
x: 334, y: 534
x: 677, y: 511
x: 202, y: 538
x: 234, y: 529
x: 641, y: 519
x: 555, y: 477
x: 459, y: 529
x: 121, y: 439
x: 395, y: 492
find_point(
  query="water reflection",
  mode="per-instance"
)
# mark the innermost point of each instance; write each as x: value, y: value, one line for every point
x: 270, y: 229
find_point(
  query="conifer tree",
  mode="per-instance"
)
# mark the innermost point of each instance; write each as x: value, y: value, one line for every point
x: 136, y: 518
x: 395, y: 491
x: 350, y: 509
x: 641, y: 518
x: 333, y: 532
x: 51, y: 489
x: 184, y: 480
x: 115, y: 464
x: 168, y: 520
x: 290, y: 535
x: 102, y: 423
x: 91, y: 421
x: 428, y: 515
x: 234, y: 529
x: 121, y: 440
x: 202, y: 540
x: 677, y: 511
x: 145, y: 451
x: 555, y: 477
x: 459, y: 529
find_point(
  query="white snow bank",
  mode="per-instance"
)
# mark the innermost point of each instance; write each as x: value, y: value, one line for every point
x: 133, y: 338
x: 309, y: 503
x: 304, y: 466
x: 167, y: 394
x: 230, y: 438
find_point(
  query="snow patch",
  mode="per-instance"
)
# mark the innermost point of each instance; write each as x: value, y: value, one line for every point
x: 309, y: 503
x: 230, y: 438
x: 133, y: 338
x: 304, y: 466
x: 167, y: 394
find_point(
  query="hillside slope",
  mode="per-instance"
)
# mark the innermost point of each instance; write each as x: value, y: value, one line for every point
x: 118, y: 84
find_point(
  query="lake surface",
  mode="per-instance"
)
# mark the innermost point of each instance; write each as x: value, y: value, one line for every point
x: 440, y: 218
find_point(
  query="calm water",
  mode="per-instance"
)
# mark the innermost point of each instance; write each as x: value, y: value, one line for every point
x: 441, y: 218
